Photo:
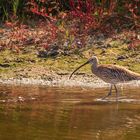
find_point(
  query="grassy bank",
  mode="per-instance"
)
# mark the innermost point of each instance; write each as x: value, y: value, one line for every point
x: 28, y: 64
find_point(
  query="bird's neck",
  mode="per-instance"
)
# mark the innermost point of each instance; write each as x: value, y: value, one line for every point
x: 94, y: 66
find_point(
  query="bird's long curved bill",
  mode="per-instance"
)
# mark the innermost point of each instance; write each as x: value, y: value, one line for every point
x: 78, y: 68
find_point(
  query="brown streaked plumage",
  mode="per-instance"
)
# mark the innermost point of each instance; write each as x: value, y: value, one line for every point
x: 112, y: 74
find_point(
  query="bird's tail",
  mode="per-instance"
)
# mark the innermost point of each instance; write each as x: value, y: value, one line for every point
x: 138, y: 77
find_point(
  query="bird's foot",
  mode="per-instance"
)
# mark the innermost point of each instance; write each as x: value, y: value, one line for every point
x: 106, y: 96
x: 117, y: 96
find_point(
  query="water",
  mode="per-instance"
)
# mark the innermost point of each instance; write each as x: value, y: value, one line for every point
x: 41, y: 113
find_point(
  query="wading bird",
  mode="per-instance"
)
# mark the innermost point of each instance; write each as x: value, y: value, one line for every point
x: 112, y: 74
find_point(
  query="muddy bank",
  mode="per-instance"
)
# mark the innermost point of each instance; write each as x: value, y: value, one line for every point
x: 58, y: 80
x: 28, y: 67
x: 55, y: 80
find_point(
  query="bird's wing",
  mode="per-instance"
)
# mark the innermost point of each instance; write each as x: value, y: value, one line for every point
x: 117, y: 73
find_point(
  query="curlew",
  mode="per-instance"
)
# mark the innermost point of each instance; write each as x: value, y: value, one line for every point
x: 112, y: 74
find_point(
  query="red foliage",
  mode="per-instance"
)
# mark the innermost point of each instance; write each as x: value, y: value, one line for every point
x: 90, y: 14
x: 84, y: 17
x: 133, y: 8
x: 40, y: 10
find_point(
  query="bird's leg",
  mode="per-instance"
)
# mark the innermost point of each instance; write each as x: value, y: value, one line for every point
x: 117, y: 94
x: 110, y: 91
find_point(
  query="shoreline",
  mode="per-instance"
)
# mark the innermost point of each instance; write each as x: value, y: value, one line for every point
x: 64, y: 82
x: 58, y: 81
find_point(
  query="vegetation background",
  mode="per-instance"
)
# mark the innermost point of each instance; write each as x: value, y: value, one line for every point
x: 54, y: 33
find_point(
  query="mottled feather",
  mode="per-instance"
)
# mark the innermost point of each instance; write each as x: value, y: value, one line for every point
x: 114, y: 74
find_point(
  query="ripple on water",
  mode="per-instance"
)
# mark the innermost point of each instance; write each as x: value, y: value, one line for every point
x: 119, y: 100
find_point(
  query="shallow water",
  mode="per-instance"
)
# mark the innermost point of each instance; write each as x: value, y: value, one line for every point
x: 42, y: 113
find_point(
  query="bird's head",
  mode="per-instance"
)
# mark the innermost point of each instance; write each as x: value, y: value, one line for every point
x: 93, y: 60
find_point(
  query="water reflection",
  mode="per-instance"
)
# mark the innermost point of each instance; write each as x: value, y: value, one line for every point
x: 67, y: 114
